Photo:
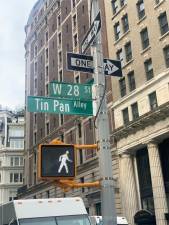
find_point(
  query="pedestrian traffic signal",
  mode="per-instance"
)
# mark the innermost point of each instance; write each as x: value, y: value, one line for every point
x: 56, y: 161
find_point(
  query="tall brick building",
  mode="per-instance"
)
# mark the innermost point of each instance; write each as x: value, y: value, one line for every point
x: 54, y: 28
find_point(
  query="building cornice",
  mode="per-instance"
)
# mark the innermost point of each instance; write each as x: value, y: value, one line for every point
x: 150, y: 118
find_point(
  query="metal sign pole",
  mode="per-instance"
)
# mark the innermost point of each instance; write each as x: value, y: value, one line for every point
x: 105, y: 158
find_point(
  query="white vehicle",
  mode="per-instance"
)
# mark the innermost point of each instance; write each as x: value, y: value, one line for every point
x: 97, y: 220
x: 53, y: 211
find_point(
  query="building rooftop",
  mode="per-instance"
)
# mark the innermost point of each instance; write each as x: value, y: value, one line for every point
x: 34, y: 11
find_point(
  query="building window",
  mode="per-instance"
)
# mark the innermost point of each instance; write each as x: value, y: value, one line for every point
x: 163, y: 23
x: 122, y: 85
x: 82, y: 181
x: 35, y: 83
x: 47, y: 89
x: 16, y: 143
x: 47, y: 128
x: 36, y: 50
x: 153, y: 100
x: 16, y: 161
x: 75, y: 40
x: 114, y: 6
x: 148, y: 69
x: 47, y: 194
x: 20, y: 177
x: 47, y: 55
x: 35, y: 138
x: 46, y: 37
x: 128, y: 51
x: 53, y: 63
x: 73, y: 3
x: 125, y: 115
x: 41, y: 132
x: 90, y: 124
x: 61, y: 119
x: 131, y: 81
x: 36, y: 67
x: 125, y: 23
x: 122, y: 2
x: 62, y: 137
x: 60, y: 57
x: 164, y: 156
x: 144, y: 177
x: 166, y: 55
x: 134, y: 109
x: 67, y: 28
x: 140, y: 9
x: 35, y: 118
x: 117, y: 31
x: 77, y: 79
x: 144, y: 38
x: 120, y: 56
x: 74, y: 21
x: 47, y: 72
x: 59, y: 20
x: 16, y: 177
x: 79, y: 130
x: 84, y: 29
x: 83, y: 9
x: 80, y: 156
x: 59, y: 38
x: 60, y: 76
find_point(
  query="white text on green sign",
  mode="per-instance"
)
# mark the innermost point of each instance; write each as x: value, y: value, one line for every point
x: 59, y: 106
x: 73, y: 91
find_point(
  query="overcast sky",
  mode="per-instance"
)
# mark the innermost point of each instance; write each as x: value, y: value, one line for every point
x: 13, y: 18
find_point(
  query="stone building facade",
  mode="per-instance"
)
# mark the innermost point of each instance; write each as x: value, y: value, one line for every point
x: 138, y: 35
x: 11, y: 154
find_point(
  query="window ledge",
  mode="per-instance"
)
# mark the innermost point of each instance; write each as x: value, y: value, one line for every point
x: 164, y: 35
x: 127, y: 63
x: 156, y: 6
x: 145, y: 50
x: 125, y: 34
x: 143, y: 18
x: 119, y: 11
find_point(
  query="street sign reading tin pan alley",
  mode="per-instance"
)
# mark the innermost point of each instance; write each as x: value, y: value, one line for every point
x: 59, y: 106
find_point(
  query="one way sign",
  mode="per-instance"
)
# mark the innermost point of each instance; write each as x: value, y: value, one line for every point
x: 112, y: 67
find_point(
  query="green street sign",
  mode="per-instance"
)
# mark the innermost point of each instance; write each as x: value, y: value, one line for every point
x: 59, y: 106
x: 68, y: 90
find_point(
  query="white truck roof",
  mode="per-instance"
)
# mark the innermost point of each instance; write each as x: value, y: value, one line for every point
x: 30, y: 208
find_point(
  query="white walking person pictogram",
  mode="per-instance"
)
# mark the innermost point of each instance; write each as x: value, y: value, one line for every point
x: 63, y: 159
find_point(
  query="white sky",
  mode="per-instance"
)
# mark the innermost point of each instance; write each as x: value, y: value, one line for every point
x: 13, y: 18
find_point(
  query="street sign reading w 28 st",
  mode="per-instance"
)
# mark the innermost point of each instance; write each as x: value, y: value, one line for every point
x: 68, y: 90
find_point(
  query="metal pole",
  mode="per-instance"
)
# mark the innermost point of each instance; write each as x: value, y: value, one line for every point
x: 103, y: 133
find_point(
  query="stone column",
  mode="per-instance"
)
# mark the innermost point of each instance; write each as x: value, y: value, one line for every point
x: 160, y: 202
x: 128, y: 187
